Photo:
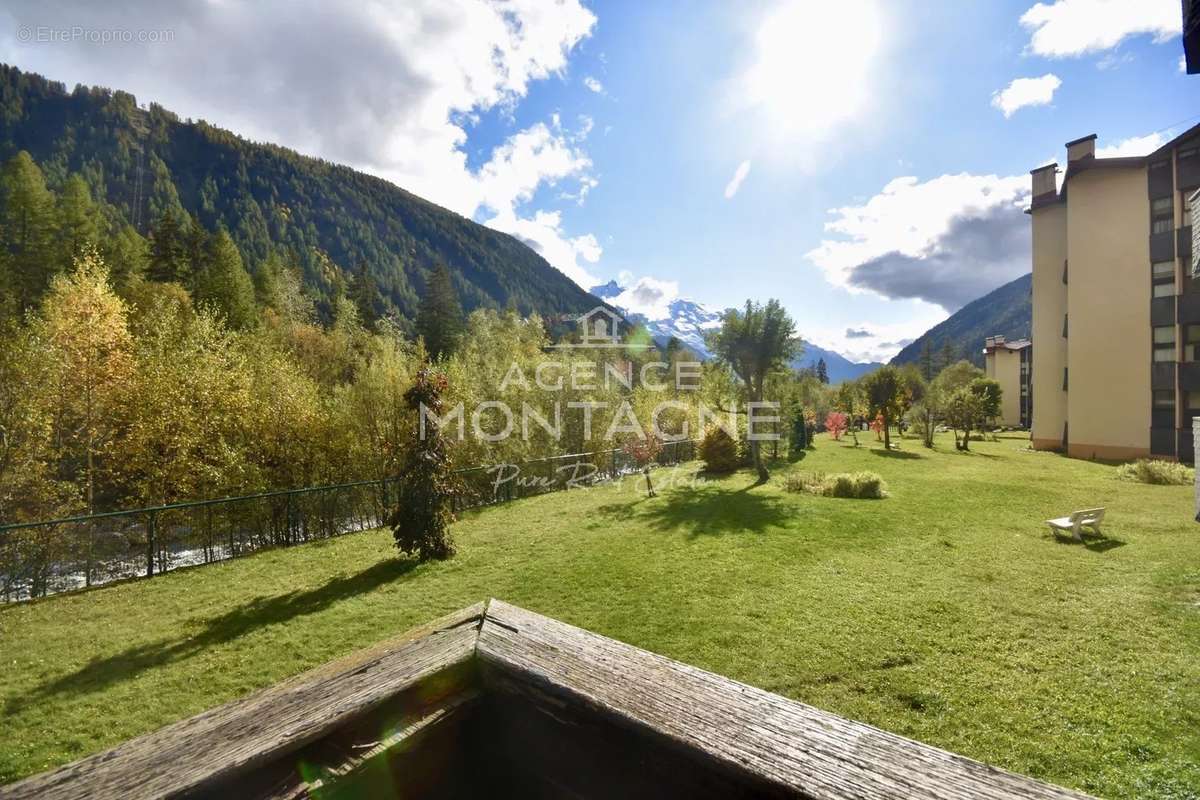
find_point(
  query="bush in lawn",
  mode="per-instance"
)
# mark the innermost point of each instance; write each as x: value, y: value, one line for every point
x: 719, y: 451
x: 805, y: 482
x: 1167, y: 473
x: 857, y: 485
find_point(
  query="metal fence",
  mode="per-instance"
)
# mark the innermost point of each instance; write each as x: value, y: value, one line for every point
x: 41, y: 558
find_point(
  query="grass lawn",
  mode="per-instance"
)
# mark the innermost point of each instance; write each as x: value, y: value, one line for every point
x: 945, y: 612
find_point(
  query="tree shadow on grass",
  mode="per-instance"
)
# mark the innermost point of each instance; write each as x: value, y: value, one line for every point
x: 260, y: 612
x: 708, y: 512
x: 903, y: 454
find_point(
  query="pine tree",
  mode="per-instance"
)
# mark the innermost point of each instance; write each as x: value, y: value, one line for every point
x: 223, y: 282
x: 947, y: 355
x: 168, y: 250
x: 926, y: 360
x: 26, y: 231
x: 126, y: 254
x: 440, y: 317
x: 365, y: 294
x: 421, y: 521
x: 822, y: 371
x: 78, y: 222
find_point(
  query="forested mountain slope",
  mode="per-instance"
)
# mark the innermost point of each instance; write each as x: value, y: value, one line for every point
x: 1007, y: 311
x: 328, y: 220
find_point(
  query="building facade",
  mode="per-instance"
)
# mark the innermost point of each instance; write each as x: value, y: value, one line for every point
x: 1011, y: 365
x: 1116, y: 310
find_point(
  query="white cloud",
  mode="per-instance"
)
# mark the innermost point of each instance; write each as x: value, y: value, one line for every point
x: 593, y: 85
x: 1023, y: 92
x: 1133, y: 146
x: 649, y: 297
x: 735, y: 183
x: 390, y: 87
x: 1077, y: 27
x: 945, y: 241
x: 1183, y: 64
x: 544, y: 233
x: 883, y: 340
x: 815, y: 66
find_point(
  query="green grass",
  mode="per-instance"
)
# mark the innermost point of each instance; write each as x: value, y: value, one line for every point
x: 945, y: 612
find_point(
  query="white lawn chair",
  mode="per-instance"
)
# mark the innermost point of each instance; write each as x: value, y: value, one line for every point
x: 1074, y: 524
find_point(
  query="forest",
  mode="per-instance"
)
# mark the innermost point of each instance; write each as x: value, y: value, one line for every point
x: 146, y: 169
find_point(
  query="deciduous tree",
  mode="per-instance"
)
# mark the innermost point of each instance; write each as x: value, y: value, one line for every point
x: 90, y: 354
x: 753, y: 342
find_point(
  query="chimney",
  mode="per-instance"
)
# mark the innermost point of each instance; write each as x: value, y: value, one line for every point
x: 1081, y: 149
x: 1045, y: 186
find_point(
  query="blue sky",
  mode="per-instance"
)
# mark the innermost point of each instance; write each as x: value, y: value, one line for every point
x: 607, y: 134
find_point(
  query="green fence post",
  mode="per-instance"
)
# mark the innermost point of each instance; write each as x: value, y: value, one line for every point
x: 151, y: 535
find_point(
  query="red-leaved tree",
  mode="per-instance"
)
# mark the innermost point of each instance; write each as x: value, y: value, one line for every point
x: 644, y: 451
x: 836, y: 423
x: 878, y: 426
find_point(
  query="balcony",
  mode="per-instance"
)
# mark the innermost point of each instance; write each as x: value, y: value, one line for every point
x: 1189, y: 376
x: 1162, y: 375
x: 1189, y: 306
x: 1162, y: 310
x: 1162, y: 246
x: 1162, y: 441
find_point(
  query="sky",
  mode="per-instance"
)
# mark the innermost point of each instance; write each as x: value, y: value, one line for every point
x: 864, y: 161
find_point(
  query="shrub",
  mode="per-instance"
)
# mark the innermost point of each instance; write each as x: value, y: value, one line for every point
x: 718, y: 450
x: 804, y: 482
x: 421, y: 520
x: 856, y: 485
x: 1168, y: 473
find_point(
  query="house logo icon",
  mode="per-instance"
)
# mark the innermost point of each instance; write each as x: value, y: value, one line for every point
x: 600, y: 328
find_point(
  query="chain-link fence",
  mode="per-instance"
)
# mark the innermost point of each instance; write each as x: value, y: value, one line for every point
x: 41, y: 558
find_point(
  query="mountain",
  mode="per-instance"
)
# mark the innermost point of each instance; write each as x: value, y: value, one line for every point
x: 327, y: 219
x: 688, y: 321
x: 838, y: 367
x: 685, y: 320
x: 1007, y: 311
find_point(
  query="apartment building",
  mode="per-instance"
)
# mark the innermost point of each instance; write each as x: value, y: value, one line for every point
x: 1116, y: 309
x: 1011, y: 365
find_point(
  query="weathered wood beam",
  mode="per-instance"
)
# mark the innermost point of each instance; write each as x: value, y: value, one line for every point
x: 216, y: 746
x: 795, y: 748
x: 539, y: 682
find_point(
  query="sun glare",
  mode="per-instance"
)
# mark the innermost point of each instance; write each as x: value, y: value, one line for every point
x: 814, y: 64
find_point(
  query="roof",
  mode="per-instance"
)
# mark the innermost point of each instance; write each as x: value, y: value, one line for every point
x: 1088, y: 163
x: 1015, y: 344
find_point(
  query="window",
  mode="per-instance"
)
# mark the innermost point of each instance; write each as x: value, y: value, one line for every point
x: 1162, y: 215
x: 1159, y: 290
x: 1191, y: 342
x: 1065, y: 378
x: 1164, y: 399
x: 1163, y: 270
x: 1164, y: 343
x: 1064, y: 326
